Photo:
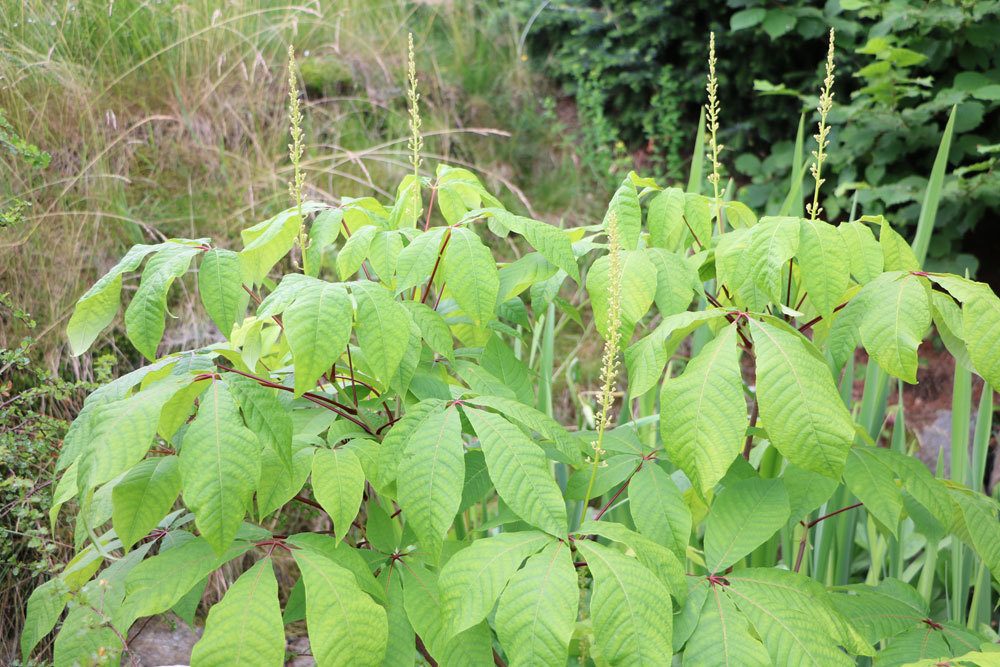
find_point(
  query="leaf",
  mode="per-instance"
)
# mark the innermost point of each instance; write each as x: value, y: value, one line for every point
x: 406, y: 209
x: 698, y: 215
x: 318, y: 326
x: 472, y: 579
x: 245, y: 627
x: 430, y: 486
x: 267, y: 242
x: 882, y: 611
x: 637, y: 290
x: 499, y: 360
x: 791, y: 615
x: 750, y: 262
x: 265, y: 415
x: 704, y: 415
x: 981, y: 321
x: 520, y: 472
x: 722, y: 636
x: 799, y: 404
x: 676, y: 281
x: 278, y: 482
x: 656, y: 558
x: 42, y: 611
x: 896, y: 318
x: 433, y: 329
x: 743, y: 517
x: 383, y: 329
x: 534, y: 420
x: 144, y: 323
x: 471, y: 275
x: 658, y: 509
x: 220, y: 284
x: 394, y: 442
x: 352, y: 255
x: 346, y: 627
x: 220, y: 466
x: 863, y: 251
x: 538, y: 609
x: 416, y: 260
x: 143, y: 497
x: 97, y: 308
x: 870, y: 477
x: 384, y: 253
x: 339, y: 484
x: 896, y: 252
x: 823, y: 256
x: 323, y: 231
x: 401, y: 643
x: 553, y: 244
x: 624, y: 207
x: 665, y: 220
x: 646, y: 358
x: 626, y: 608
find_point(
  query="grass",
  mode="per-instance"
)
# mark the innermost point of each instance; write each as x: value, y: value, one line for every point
x: 167, y: 118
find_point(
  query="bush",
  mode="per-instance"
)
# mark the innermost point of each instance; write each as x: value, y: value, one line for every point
x: 391, y: 380
x: 634, y: 67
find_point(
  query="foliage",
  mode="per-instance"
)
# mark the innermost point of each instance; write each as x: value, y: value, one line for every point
x: 388, y: 385
x: 912, y: 61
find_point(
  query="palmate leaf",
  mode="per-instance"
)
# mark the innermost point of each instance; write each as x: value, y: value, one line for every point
x: 722, y: 636
x: 897, y: 315
x: 825, y: 261
x: 144, y: 322
x: 538, y: 608
x: 703, y: 413
x: 346, y: 627
x: 220, y: 467
x: 143, y: 497
x: 220, y: 284
x: 471, y: 275
x: 743, y: 517
x: 245, y: 627
x: 383, y: 329
x: 626, y: 607
x: 472, y: 579
x: 658, y: 509
x: 338, y: 483
x: 520, y: 472
x: 792, y: 616
x: 799, y: 404
x: 430, y: 483
x: 318, y: 326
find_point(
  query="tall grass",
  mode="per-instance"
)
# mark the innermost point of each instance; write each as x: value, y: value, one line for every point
x: 166, y: 118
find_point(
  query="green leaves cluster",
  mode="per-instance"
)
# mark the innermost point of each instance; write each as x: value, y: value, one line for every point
x: 393, y: 390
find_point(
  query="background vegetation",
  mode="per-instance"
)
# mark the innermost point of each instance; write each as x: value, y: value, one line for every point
x: 167, y: 118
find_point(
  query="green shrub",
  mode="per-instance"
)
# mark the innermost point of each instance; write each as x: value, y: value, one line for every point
x: 393, y: 384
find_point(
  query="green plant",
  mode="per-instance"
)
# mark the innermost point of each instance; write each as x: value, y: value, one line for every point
x: 450, y: 495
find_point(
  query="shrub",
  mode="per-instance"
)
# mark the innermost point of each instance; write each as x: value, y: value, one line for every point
x: 390, y: 384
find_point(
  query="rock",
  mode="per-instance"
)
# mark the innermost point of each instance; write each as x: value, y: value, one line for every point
x: 162, y: 641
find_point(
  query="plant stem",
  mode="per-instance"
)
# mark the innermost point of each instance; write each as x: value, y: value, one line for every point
x: 811, y: 524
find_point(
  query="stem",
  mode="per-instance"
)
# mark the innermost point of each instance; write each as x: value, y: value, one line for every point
x: 811, y: 524
x: 620, y: 490
x: 754, y: 413
x: 808, y: 325
x: 437, y: 263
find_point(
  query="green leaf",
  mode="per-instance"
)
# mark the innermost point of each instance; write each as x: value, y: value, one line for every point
x: 406, y: 209
x: 897, y: 316
x: 723, y: 636
x: 433, y: 329
x: 646, y: 358
x: 826, y: 264
x: 698, y: 215
x: 658, y: 509
x: 278, y: 482
x: 144, y: 323
x: 42, y: 611
x: 318, y: 326
x: 499, y: 360
x: 534, y: 420
x: 624, y: 207
x: 401, y: 643
x: 882, y: 611
x: 538, y: 609
x: 871, y: 478
x: 267, y: 242
x: 471, y: 275
x: 791, y: 614
x: 896, y: 252
x: 383, y: 329
x: 416, y: 261
x: 626, y: 608
x: 384, y: 253
x: 750, y: 262
x: 704, y: 416
x: 743, y: 517
x: 799, y: 404
x: 323, y: 231
x: 676, y: 281
x: 338, y: 483
x: 665, y: 220
x: 394, y: 443
x: 981, y: 322
x: 352, y: 255
x: 656, y: 558
x: 346, y: 627
x: 747, y: 18
x: 520, y: 472
x: 220, y: 284
x: 97, y: 308
x: 143, y: 497
x: 430, y: 486
x: 863, y: 251
x: 638, y: 290
x: 245, y: 627
x: 220, y: 466
x: 265, y: 415
x: 472, y: 579
x: 553, y: 244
